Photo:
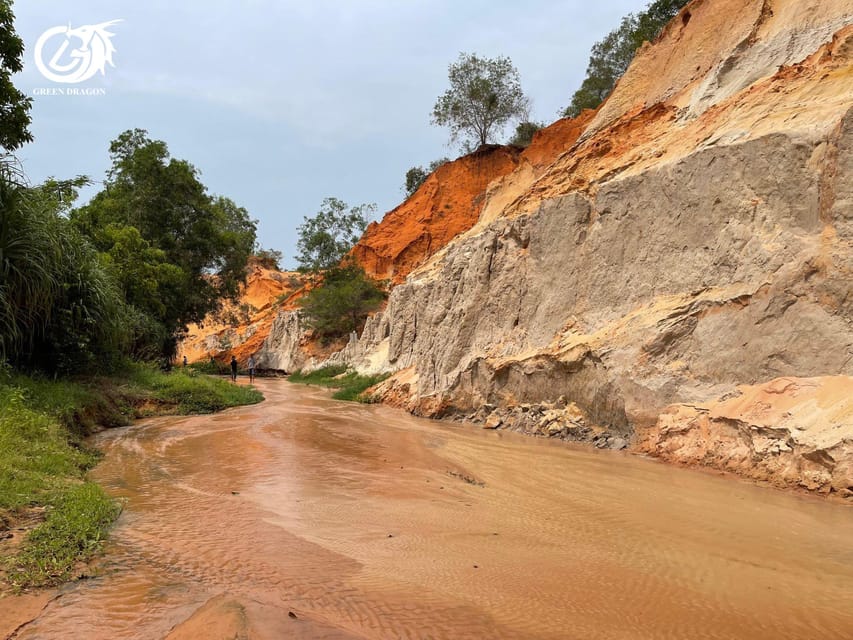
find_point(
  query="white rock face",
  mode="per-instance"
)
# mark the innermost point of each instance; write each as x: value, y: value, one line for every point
x: 681, y: 248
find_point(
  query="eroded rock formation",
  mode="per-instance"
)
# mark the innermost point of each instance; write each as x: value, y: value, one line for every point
x: 694, y: 235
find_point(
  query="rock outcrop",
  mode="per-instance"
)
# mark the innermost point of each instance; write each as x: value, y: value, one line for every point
x: 695, y: 236
x: 791, y: 431
x: 243, y: 327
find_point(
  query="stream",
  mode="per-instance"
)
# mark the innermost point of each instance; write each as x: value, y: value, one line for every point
x: 303, y: 517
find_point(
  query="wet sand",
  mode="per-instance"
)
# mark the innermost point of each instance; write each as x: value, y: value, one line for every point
x: 308, y: 518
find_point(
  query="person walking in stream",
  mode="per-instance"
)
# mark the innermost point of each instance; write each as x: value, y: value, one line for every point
x: 233, y: 369
x: 251, y: 366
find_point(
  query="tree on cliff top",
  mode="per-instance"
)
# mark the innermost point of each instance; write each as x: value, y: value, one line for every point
x: 416, y: 176
x: 611, y: 56
x: 484, y: 95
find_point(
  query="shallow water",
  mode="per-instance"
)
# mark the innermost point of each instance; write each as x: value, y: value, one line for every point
x: 364, y: 522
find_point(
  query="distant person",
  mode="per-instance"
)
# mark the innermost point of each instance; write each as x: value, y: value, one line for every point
x: 185, y: 361
x: 233, y: 369
x: 251, y: 365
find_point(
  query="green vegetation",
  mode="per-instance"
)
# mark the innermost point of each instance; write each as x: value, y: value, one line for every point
x: 43, y: 462
x: 484, y: 96
x: 163, y: 237
x: 188, y: 391
x: 416, y: 176
x: 98, y: 290
x: 349, y: 384
x: 268, y: 258
x: 342, y: 303
x: 60, y: 310
x: 524, y: 133
x: 345, y: 295
x: 14, y: 105
x: 610, y: 57
x: 327, y: 237
x: 76, y: 526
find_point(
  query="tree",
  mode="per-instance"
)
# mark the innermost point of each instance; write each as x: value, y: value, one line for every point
x: 610, y: 57
x: 268, y: 258
x: 524, y: 133
x: 340, y: 306
x: 178, y: 251
x: 325, y: 239
x: 416, y: 176
x: 484, y: 95
x: 14, y: 105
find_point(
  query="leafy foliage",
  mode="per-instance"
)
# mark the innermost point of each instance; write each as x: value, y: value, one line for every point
x: 268, y: 258
x: 611, y: 56
x: 341, y: 304
x: 416, y: 176
x: 60, y: 308
x: 484, y: 95
x: 325, y: 239
x: 14, y: 105
x: 177, y: 251
x: 524, y: 133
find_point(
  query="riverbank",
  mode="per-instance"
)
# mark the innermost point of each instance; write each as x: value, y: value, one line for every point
x: 365, y: 522
x: 349, y: 384
x: 51, y: 517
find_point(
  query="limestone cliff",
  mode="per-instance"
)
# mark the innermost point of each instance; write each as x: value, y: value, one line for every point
x: 696, y: 236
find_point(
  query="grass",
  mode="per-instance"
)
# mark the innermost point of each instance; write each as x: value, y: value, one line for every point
x: 43, y: 461
x: 188, y: 391
x: 77, y: 523
x: 349, y: 384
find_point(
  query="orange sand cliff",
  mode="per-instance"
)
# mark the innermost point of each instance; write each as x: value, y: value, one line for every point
x: 240, y: 329
x: 451, y: 199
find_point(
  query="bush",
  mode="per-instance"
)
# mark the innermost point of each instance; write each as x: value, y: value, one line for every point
x: 341, y: 303
x: 524, y: 133
x: 351, y: 385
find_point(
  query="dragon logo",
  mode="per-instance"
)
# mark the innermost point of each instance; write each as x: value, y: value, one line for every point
x: 79, y: 64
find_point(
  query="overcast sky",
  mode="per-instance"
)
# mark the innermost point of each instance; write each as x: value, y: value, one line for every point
x: 281, y: 104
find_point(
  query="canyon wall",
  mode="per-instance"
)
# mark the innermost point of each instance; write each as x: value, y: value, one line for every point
x: 653, y: 280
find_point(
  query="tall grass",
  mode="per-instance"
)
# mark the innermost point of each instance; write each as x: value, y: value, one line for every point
x: 60, y: 309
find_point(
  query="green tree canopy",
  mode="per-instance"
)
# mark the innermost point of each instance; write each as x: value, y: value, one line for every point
x: 342, y: 303
x: 14, y: 105
x: 524, y: 133
x: 416, y: 176
x: 484, y: 96
x: 611, y: 56
x: 326, y: 238
x: 177, y: 251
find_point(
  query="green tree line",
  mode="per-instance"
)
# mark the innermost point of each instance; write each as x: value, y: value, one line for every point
x: 121, y: 276
x: 610, y: 57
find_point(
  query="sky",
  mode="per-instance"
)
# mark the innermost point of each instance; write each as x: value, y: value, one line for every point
x: 280, y: 104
